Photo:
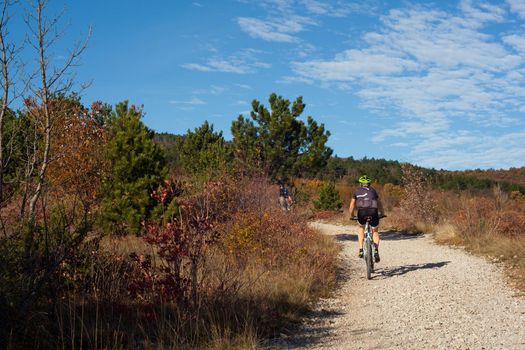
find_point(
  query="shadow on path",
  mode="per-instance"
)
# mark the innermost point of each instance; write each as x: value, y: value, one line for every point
x: 342, y: 237
x: 384, y: 235
x: 398, y: 236
x: 401, y: 270
x: 314, y: 332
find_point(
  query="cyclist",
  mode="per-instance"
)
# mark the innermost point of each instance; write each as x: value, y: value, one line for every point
x: 367, y: 202
x: 285, y: 200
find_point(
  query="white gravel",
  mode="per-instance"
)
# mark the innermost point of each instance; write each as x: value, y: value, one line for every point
x: 422, y: 296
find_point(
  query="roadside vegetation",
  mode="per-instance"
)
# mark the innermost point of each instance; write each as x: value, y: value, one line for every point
x: 112, y: 236
x: 485, y: 220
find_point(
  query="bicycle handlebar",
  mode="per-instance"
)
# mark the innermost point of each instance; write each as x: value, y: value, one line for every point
x: 380, y: 216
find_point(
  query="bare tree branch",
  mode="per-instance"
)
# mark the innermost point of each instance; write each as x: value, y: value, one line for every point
x: 53, y: 82
x: 8, y: 53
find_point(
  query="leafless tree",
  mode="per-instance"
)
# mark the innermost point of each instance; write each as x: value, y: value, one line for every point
x: 8, y: 53
x: 9, y: 67
x: 53, y: 81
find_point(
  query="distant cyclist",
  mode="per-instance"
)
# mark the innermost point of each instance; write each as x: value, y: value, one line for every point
x: 367, y: 202
x: 285, y: 200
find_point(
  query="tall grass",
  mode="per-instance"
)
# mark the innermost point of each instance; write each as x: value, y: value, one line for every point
x: 255, y: 279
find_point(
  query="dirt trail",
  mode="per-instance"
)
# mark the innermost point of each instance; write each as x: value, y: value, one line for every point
x: 422, y: 296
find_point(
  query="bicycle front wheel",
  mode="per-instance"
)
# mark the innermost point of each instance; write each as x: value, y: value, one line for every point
x: 368, y: 259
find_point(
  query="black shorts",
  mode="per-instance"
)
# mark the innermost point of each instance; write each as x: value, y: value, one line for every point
x: 362, y: 213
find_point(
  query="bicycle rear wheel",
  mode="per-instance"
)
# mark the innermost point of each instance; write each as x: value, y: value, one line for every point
x: 368, y: 259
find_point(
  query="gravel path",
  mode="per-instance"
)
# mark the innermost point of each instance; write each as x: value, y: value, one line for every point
x: 422, y: 296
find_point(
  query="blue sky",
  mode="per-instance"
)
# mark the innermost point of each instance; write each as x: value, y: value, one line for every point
x: 439, y: 84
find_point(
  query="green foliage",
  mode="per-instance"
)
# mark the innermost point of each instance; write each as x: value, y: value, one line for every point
x: 204, y: 152
x: 389, y: 171
x: 171, y: 146
x: 32, y: 265
x: 16, y: 130
x: 329, y: 198
x: 137, y: 169
x: 278, y: 142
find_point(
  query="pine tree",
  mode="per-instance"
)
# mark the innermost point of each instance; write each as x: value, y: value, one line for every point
x: 278, y: 142
x: 137, y: 168
x: 204, y: 151
x: 329, y: 198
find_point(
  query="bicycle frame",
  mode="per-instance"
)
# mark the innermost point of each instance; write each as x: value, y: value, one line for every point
x: 368, y: 246
x: 368, y: 249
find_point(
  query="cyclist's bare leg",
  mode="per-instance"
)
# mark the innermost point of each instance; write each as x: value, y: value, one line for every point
x: 361, y: 235
x: 375, y: 235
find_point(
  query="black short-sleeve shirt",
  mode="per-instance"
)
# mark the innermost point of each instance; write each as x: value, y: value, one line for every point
x: 366, y: 197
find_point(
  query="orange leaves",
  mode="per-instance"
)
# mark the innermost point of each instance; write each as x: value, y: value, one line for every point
x: 78, y: 163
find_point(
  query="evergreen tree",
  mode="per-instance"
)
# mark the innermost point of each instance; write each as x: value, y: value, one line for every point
x: 137, y: 168
x: 329, y: 198
x: 171, y: 146
x: 204, y: 151
x: 278, y: 142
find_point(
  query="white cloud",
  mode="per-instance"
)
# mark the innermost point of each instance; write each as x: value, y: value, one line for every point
x: 485, y: 12
x: 318, y: 7
x: 280, y: 5
x: 338, y: 8
x: 295, y: 79
x: 274, y: 30
x: 194, y: 101
x: 440, y: 72
x: 197, y: 66
x: 476, y: 150
x: 399, y: 144
x: 517, y: 6
x: 517, y: 42
x: 217, y: 90
x: 242, y: 63
x: 244, y: 86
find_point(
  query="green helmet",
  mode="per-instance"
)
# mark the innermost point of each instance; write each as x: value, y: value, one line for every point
x: 365, y: 179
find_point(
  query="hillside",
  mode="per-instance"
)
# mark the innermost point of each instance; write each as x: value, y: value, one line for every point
x: 512, y: 175
x: 389, y: 171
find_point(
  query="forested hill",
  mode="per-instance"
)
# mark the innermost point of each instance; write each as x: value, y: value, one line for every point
x: 389, y: 171
x: 384, y: 171
x: 513, y: 175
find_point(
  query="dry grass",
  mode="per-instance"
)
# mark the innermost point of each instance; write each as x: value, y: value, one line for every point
x: 256, y: 281
x: 489, y: 224
x: 497, y: 247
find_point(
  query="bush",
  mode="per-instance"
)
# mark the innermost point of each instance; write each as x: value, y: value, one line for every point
x: 418, y: 204
x: 229, y: 261
x: 329, y: 198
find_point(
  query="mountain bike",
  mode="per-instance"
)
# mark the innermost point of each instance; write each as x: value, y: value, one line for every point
x: 368, y: 246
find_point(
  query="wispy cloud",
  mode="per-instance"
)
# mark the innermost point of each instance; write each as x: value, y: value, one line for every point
x: 281, y: 30
x: 516, y: 41
x: 476, y: 150
x: 517, y: 6
x: 217, y: 90
x: 244, y: 86
x: 194, y: 101
x: 244, y: 62
x: 187, y: 105
x: 440, y: 70
x: 281, y: 22
x: 334, y: 9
